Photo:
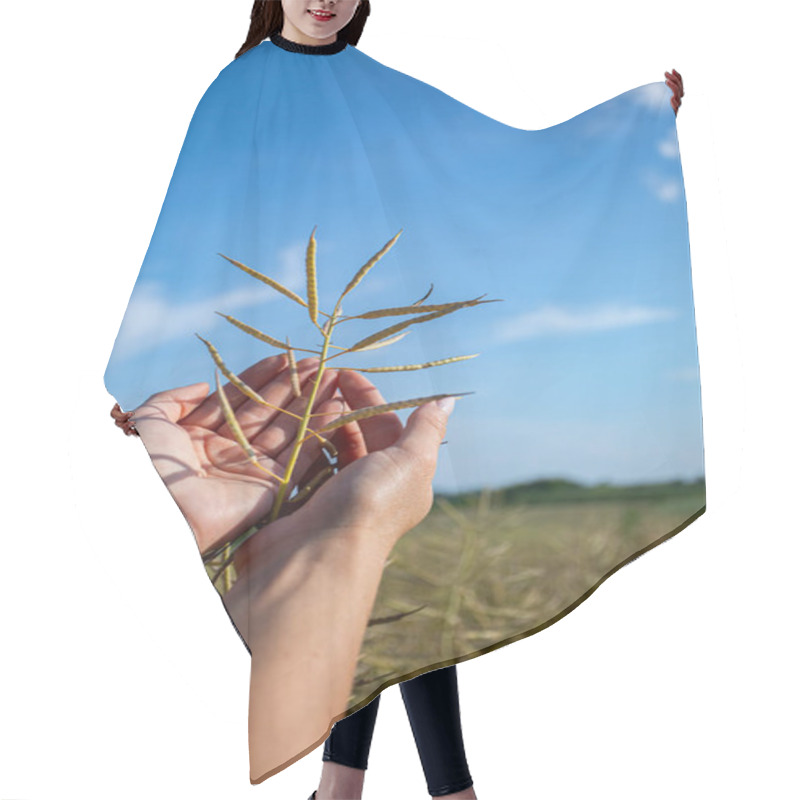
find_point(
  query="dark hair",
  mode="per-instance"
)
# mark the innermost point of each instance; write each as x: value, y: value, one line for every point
x: 266, y: 18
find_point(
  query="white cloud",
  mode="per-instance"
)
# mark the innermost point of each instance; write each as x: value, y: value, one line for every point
x: 292, y: 263
x: 554, y: 321
x: 668, y: 148
x: 602, y: 120
x: 651, y: 95
x: 687, y: 374
x: 665, y: 189
x: 606, y: 119
x: 153, y: 319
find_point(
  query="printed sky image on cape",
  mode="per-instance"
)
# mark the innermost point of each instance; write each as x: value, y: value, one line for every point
x: 577, y: 443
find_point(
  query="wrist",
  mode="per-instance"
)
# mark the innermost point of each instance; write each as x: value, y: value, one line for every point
x: 290, y: 562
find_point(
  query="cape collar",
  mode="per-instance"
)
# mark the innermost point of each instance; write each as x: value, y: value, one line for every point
x: 311, y: 49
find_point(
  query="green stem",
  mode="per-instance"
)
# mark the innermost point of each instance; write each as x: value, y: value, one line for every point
x: 298, y: 443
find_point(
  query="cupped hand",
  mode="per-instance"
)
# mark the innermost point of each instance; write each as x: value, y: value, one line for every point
x: 675, y: 82
x: 219, y: 491
x: 306, y: 583
x: 384, y: 484
x: 349, y: 525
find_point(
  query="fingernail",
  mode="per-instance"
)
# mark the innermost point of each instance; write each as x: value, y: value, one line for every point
x: 446, y: 404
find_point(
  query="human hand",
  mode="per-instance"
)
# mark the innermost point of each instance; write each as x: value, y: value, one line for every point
x: 124, y: 420
x: 220, y: 492
x: 384, y: 485
x: 306, y: 582
x: 675, y: 82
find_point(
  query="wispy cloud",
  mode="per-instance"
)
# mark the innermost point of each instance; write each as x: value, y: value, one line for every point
x: 154, y: 317
x: 651, y: 95
x: 687, y: 374
x: 606, y: 119
x: 292, y: 263
x: 556, y: 321
x: 668, y: 148
x: 665, y: 189
x: 602, y: 121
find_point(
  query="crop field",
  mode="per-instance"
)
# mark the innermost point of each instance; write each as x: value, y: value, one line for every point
x: 486, y: 568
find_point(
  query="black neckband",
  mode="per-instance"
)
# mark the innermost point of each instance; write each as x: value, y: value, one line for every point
x: 311, y: 49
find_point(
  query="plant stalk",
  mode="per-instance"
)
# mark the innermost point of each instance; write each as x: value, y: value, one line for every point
x: 298, y: 443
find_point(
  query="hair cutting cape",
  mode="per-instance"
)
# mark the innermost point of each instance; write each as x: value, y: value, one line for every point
x: 577, y: 444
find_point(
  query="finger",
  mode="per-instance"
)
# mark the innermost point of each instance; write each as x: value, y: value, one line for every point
x: 275, y: 387
x: 125, y: 425
x: 277, y: 391
x: 425, y: 430
x: 173, y: 404
x: 675, y: 99
x: 259, y: 375
x: 276, y: 435
x: 349, y: 440
x: 167, y: 442
x: 380, y: 431
x: 120, y: 416
x: 130, y: 429
x: 254, y: 417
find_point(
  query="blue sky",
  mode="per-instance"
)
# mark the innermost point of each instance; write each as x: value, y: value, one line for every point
x: 588, y: 366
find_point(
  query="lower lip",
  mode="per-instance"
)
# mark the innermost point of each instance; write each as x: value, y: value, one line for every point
x: 322, y: 19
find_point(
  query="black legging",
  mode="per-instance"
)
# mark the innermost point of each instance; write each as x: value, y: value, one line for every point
x: 431, y: 701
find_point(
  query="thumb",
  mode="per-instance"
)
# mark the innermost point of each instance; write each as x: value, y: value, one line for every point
x: 174, y: 404
x: 156, y: 421
x: 426, y: 428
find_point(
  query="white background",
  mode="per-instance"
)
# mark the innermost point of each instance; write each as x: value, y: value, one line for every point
x: 122, y: 676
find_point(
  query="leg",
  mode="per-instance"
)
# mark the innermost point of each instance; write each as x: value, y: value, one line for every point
x: 346, y: 753
x: 433, y: 710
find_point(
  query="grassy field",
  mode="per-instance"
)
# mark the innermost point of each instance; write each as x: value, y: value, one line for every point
x: 486, y: 568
